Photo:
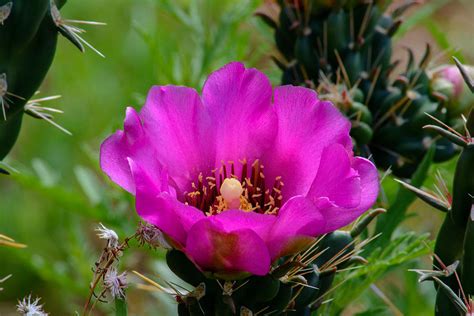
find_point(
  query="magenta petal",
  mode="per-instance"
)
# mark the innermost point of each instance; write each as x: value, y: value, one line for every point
x: 157, y: 205
x: 298, y: 218
x: 336, y: 179
x: 215, y: 248
x: 133, y: 143
x: 239, y: 101
x: 344, y: 187
x: 232, y: 220
x: 306, y: 126
x: 179, y: 126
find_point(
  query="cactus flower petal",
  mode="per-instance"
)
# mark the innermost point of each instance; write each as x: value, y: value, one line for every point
x: 156, y: 203
x: 344, y: 186
x: 306, y: 126
x: 297, y: 220
x: 239, y: 102
x: 218, y: 248
x: 452, y: 74
x: 234, y: 180
x: 117, y: 148
x: 178, y: 124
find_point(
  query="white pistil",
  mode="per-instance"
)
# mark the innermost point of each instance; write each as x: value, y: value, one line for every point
x: 231, y: 191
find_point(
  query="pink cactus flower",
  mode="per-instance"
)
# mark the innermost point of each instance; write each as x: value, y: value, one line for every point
x: 242, y: 175
x: 451, y: 75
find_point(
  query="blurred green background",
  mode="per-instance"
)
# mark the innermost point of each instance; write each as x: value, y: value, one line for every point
x: 59, y: 195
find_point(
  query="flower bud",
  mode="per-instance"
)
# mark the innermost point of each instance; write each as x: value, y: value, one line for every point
x: 448, y: 81
x: 449, y: 77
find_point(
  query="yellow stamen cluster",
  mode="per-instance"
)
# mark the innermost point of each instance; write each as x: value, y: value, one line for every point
x: 247, y: 193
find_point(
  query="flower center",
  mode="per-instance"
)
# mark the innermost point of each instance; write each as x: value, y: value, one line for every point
x: 224, y: 190
x: 231, y: 191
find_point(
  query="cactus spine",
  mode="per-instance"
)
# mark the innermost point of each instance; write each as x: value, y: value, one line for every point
x: 456, y: 236
x: 454, y: 243
x: 28, y: 37
x: 343, y: 49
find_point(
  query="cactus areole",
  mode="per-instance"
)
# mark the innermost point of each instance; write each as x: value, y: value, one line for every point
x: 234, y: 179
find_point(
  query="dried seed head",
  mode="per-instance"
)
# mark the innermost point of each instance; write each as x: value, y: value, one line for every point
x: 115, y: 283
x: 109, y: 235
x: 29, y: 307
x: 5, y: 11
x: 151, y: 236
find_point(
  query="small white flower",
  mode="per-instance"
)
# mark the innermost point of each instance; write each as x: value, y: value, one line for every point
x: 107, y: 234
x: 29, y: 307
x: 115, y: 282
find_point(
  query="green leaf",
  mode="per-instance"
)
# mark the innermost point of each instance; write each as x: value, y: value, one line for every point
x: 121, y: 307
x: 89, y: 184
x: 422, y: 14
x: 442, y: 39
x: 71, y: 200
x: 46, y: 174
x: 396, y: 213
x: 353, y: 282
x: 372, y: 312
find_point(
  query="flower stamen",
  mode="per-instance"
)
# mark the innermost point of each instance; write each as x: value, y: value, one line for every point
x: 247, y: 193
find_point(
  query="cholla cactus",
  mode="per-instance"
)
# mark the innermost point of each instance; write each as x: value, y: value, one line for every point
x: 28, y: 37
x: 454, y: 244
x: 343, y: 48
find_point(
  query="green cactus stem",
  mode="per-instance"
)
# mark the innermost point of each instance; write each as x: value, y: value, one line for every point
x: 454, y: 242
x: 28, y: 37
x: 343, y: 49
